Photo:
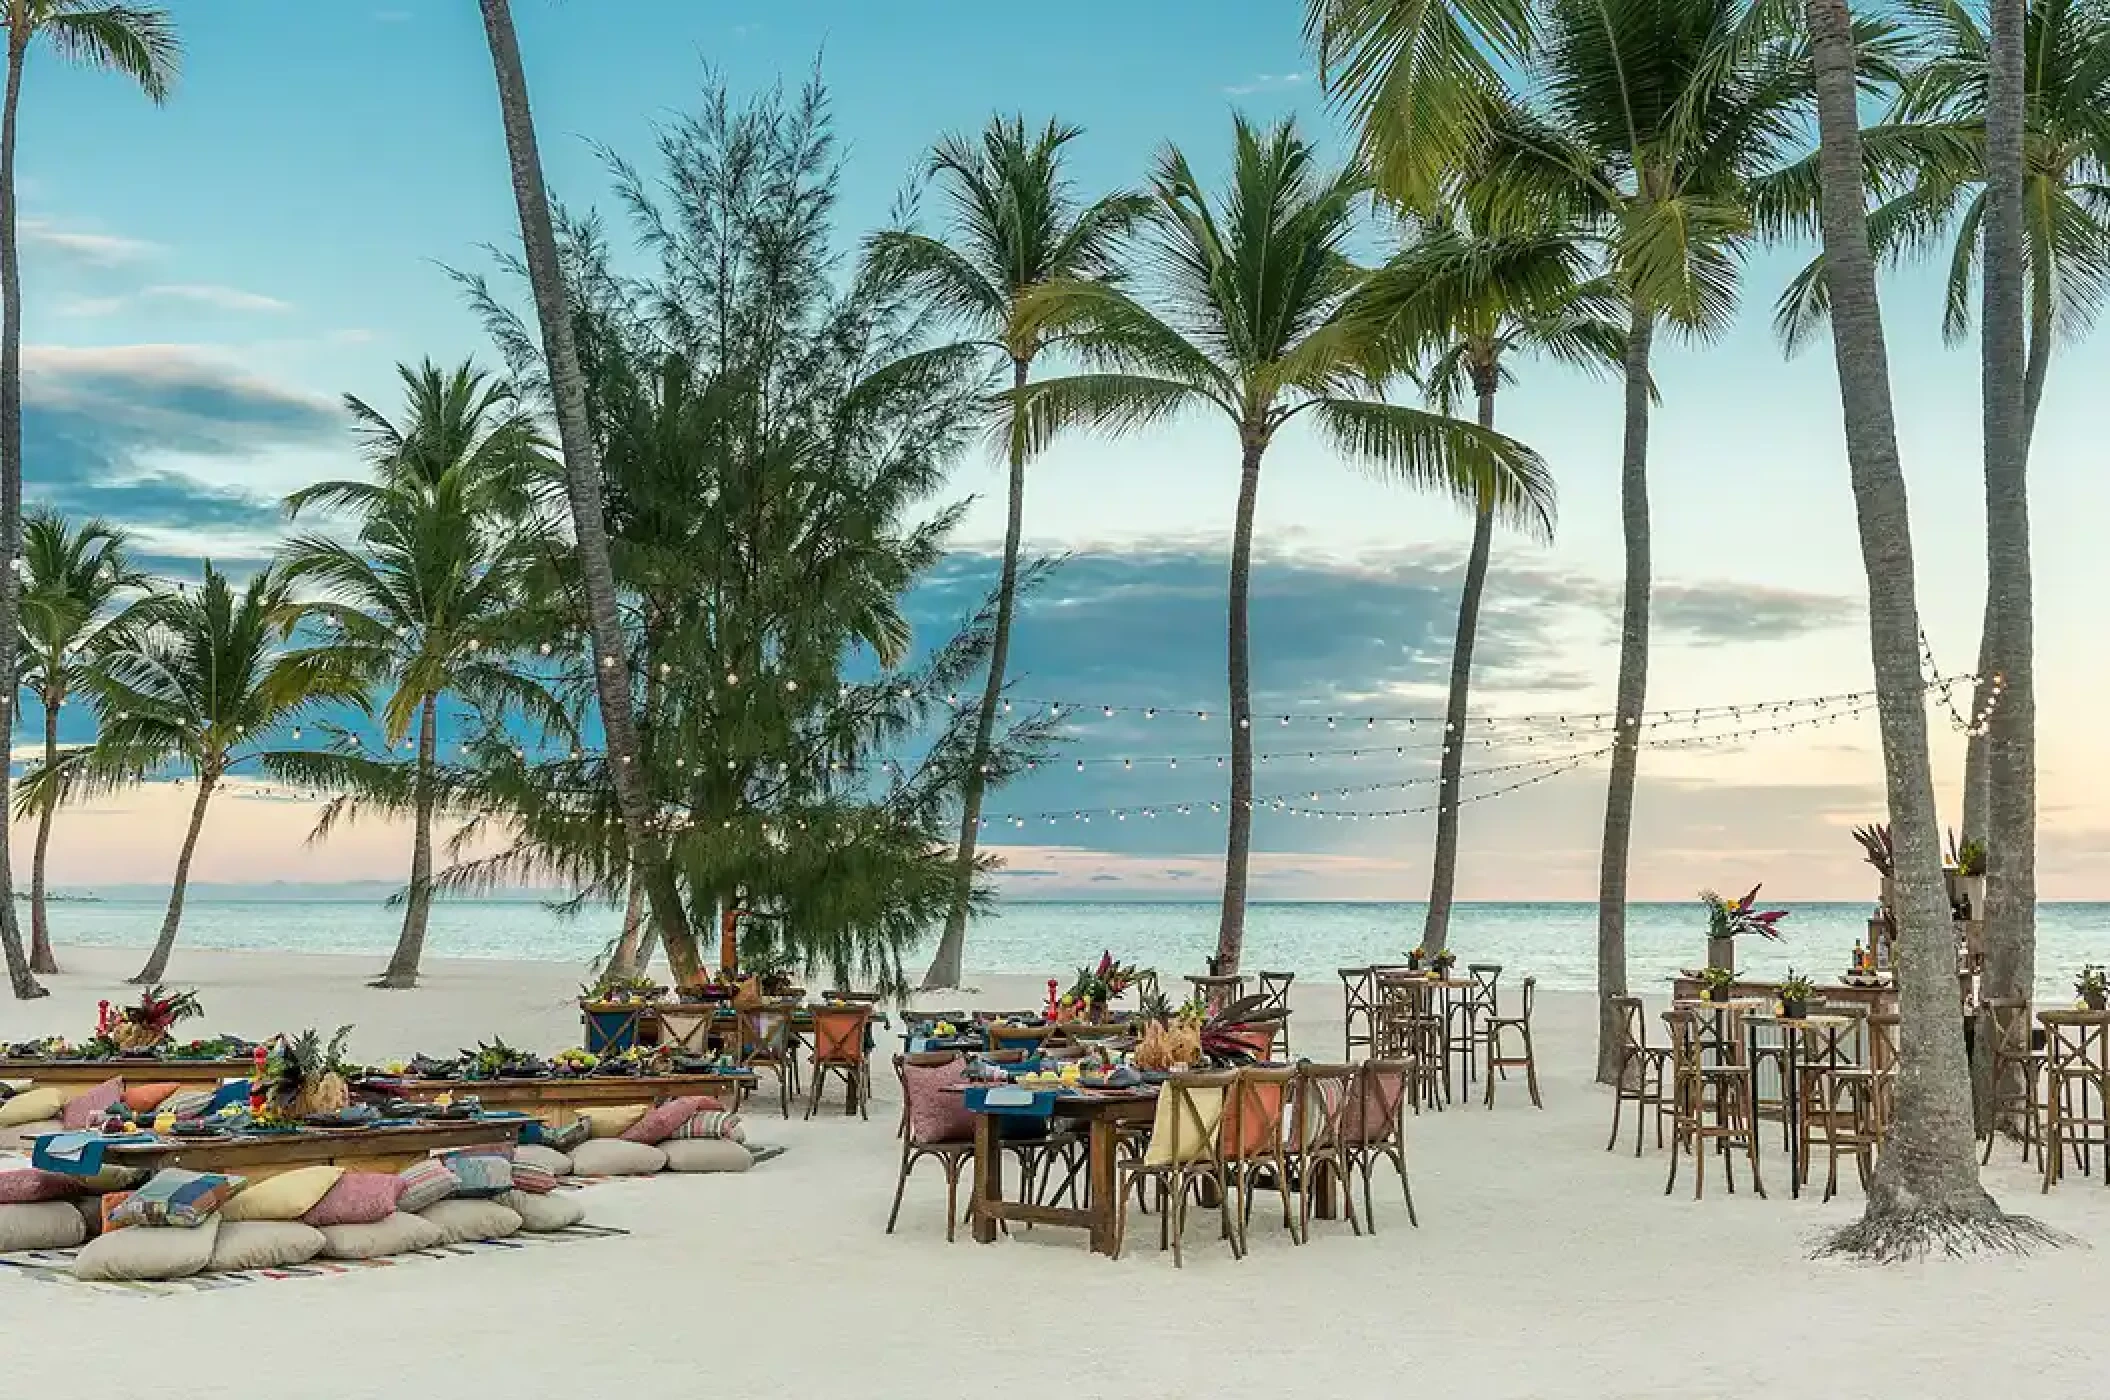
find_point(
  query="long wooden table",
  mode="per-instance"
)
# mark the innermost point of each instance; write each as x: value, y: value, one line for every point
x: 1103, y: 1113
x: 1882, y: 1000
x: 56, y: 1073
x: 371, y: 1149
x: 559, y: 1098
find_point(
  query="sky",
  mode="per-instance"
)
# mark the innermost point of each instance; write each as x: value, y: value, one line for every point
x: 205, y: 280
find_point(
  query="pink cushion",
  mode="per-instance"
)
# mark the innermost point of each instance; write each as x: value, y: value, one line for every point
x: 21, y: 1188
x: 358, y: 1198
x: 85, y: 1109
x: 661, y: 1120
x: 935, y: 1112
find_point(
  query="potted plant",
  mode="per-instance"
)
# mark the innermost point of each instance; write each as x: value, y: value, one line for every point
x: 1442, y: 963
x: 2091, y: 986
x: 1414, y: 960
x: 1964, y: 874
x: 1717, y: 981
x: 1795, y: 993
x: 1879, y: 851
x: 1729, y: 918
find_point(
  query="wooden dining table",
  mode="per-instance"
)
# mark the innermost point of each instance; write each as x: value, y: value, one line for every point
x: 131, y: 1069
x: 1102, y: 1111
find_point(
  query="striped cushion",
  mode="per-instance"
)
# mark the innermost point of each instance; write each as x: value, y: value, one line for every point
x: 481, y: 1171
x: 85, y: 1110
x: 712, y: 1125
x: 188, y: 1103
x: 533, y: 1179
x: 177, y: 1197
x: 425, y: 1183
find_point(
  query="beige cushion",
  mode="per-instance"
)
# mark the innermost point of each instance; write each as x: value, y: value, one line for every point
x: 149, y: 1252
x: 263, y: 1244
x: 615, y: 1157
x: 399, y: 1234
x: 19, y: 1139
x: 41, y: 1225
x: 37, y: 1105
x: 548, y: 1158
x: 550, y: 1211
x: 287, y: 1196
x: 1196, y: 1140
x: 472, y: 1218
x: 612, y: 1122
x: 706, y: 1155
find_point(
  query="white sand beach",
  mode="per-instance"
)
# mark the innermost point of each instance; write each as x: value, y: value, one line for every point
x: 1544, y: 1266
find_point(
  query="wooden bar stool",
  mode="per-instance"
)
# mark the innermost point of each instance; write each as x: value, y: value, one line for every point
x: 1644, y: 1075
x: 1465, y: 1015
x: 1358, y: 1007
x: 2076, y: 1090
x: 1883, y: 1063
x: 1275, y: 987
x: 1728, y: 1085
x: 1218, y: 992
x: 1519, y: 1027
x: 2017, y: 1063
x: 1836, y: 1098
x: 1410, y: 1030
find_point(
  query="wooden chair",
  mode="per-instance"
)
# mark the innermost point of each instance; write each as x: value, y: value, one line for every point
x: 1324, y: 1094
x: 1465, y: 1017
x: 1217, y: 992
x: 1644, y: 1075
x: 1185, y: 1153
x: 1519, y: 1027
x: 1254, y: 1123
x: 1031, y: 1039
x: 2017, y: 1064
x: 839, y: 1049
x: 1410, y: 1029
x: 1358, y: 1008
x: 1837, y: 1099
x: 1693, y: 1082
x: 921, y: 1059
x: 840, y: 994
x: 767, y: 1042
x: 2076, y: 1090
x: 1275, y: 987
x: 1883, y: 1064
x: 951, y: 1154
x: 1374, y: 1129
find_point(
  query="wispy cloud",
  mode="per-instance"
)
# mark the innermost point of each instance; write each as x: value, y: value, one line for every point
x: 216, y: 296
x: 82, y: 245
x: 1267, y: 82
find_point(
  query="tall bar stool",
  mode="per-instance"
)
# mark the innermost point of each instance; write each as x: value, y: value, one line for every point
x: 1358, y: 1009
x: 1883, y: 1063
x: 2017, y: 1063
x: 1465, y: 1014
x: 1726, y: 1089
x: 1518, y: 1030
x: 1275, y: 987
x: 1837, y: 1099
x: 2076, y: 1090
x: 1410, y: 1029
x: 1644, y: 1078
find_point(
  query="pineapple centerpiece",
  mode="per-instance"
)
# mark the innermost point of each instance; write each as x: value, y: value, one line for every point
x: 150, y: 1024
x: 302, y: 1075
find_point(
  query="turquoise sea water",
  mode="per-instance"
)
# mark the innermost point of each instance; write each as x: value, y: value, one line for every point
x: 1555, y: 942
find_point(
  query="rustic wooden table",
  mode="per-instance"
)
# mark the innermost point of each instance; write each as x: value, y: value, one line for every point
x: 370, y: 1149
x: 1103, y: 1113
x: 132, y: 1071
x: 566, y: 1095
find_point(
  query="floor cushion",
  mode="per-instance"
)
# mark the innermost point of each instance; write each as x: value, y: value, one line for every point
x: 169, y: 1251
x: 712, y: 1124
x: 357, y: 1198
x: 287, y: 1196
x: 706, y: 1155
x: 109, y: 1204
x: 543, y: 1213
x: 548, y: 1159
x: 464, y: 1218
x: 145, y: 1098
x: 615, y: 1157
x: 113, y: 1178
x: 399, y: 1234
x: 425, y: 1183
x: 481, y: 1171
x: 32, y: 1107
x: 173, y: 1196
x: 661, y: 1120
x: 88, y: 1108
x: 26, y: 1184
x: 40, y: 1225
x: 263, y: 1244
x: 612, y: 1122
x: 532, y: 1179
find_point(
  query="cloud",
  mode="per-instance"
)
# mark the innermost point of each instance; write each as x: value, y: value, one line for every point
x: 1746, y: 612
x: 83, y: 246
x: 218, y: 297
x: 1266, y: 82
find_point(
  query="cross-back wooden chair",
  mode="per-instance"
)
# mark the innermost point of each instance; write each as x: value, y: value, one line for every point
x: 1324, y: 1094
x: 920, y: 1091
x: 767, y: 1042
x: 839, y: 1050
x: 1374, y: 1129
x: 1883, y: 1062
x: 1358, y: 1008
x: 1275, y: 987
x: 1253, y: 1140
x: 2076, y: 1090
x: 1509, y: 1046
x: 2017, y: 1065
x: 1031, y: 1039
x: 1185, y: 1152
x: 1694, y: 1081
x: 1409, y: 1027
x: 1644, y: 1075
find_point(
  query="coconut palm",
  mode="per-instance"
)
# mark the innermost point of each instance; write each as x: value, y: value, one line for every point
x: 1926, y: 1191
x: 1253, y: 287
x: 75, y: 613
x: 1458, y: 303
x: 582, y: 486
x: 437, y: 582
x: 207, y: 690
x: 1015, y: 225
x: 139, y: 42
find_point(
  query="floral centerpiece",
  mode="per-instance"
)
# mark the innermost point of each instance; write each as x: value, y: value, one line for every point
x: 1795, y: 993
x: 147, y: 1026
x: 2092, y: 986
x: 610, y: 989
x: 1728, y: 919
x: 1717, y: 981
x: 1441, y: 964
x: 301, y: 1075
x: 1094, y: 988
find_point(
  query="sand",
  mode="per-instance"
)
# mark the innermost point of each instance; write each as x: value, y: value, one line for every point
x: 1544, y: 1266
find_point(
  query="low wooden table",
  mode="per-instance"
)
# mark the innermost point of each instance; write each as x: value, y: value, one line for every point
x: 560, y: 1099
x: 371, y: 1150
x: 132, y: 1071
x: 1103, y: 1112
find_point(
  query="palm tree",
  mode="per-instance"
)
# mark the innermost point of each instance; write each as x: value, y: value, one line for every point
x: 140, y: 42
x: 72, y: 619
x: 206, y: 689
x: 582, y: 485
x: 1457, y: 303
x: 1926, y: 1191
x: 1254, y: 287
x: 1015, y: 226
x: 423, y: 602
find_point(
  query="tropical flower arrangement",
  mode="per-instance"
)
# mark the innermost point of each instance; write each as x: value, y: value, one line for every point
x: 149, y: 1024
x: 2092, y: 986
x: 300, y: 1075
x: 612, y: 989
x: 1795, y: 993
x: 1094, y: 988
x: 1727, y: 918
x: 1717, y: 981
x: 1877, y: 848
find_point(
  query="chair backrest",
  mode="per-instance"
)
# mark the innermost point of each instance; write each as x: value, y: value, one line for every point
x: 922, y: 1094
x: 1003, y: 1037
x: 2073, y: 1039
x: 920, y: 1017
x: 1218, y: 990
x: 2010, y: 1024
x: 1486, y: 978
x: 1633, y: 1023
x: 1356, y: 989
x: 1531, y: 991
x: 1883, y: 1041
x: 1377, y: 1112
x: 840, y: 994
x: 1687, y: 1039
x: 1260, y: 1102
x: 1275, y: 987
x: 1187, y: 1128
x: 765, y: 1031
x: 928, y: 1059
x: 1004, y: 1057
x: 839, y: 1033
x: 1324, y: 1094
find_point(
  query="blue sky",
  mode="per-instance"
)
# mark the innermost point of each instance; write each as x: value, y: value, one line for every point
x: 205, y: 279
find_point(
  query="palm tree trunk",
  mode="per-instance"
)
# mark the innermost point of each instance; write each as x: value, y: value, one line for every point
x: 41, y: 958
x: 19, y: 975
x: 629, y: 960
x: 946, y: 967
x: 1627, y: 706
x: 158, y: 961
x: 1926, y: 1189
x: 1230, y: 933
x: 402, y: 970
x: 1443, y: 876
x: 582, y: 483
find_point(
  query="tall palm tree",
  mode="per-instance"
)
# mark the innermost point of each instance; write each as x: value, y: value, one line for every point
x: 1926, y: 1191
x: 74, y: 615
x: 1253, y: 287
x: 207, y: 690
x: 138, y: 41
x: 1015, y: 226
x: 582, y: 485
x: 1457, y: 303
x: 424, y: 601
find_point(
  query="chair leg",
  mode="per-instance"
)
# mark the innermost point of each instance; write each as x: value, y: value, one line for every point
x: 901, y: 1185
x: 1531, y: 1069
x: 1618, y: 1101
x: 952, y: 1199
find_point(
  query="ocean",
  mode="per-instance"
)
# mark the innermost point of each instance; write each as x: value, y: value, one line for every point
x: 1555, y: 942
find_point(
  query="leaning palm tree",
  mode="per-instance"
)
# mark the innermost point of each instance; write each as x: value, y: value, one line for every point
x: 1015, y: 226
x: 582, y: 486
x: 1926, y: 1193
x: 75, y: 615
x: 140, y: 42
x: 423, y: 602
x: 1457, y: 304
x: 205, y: 691
x: 1253, y: 287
